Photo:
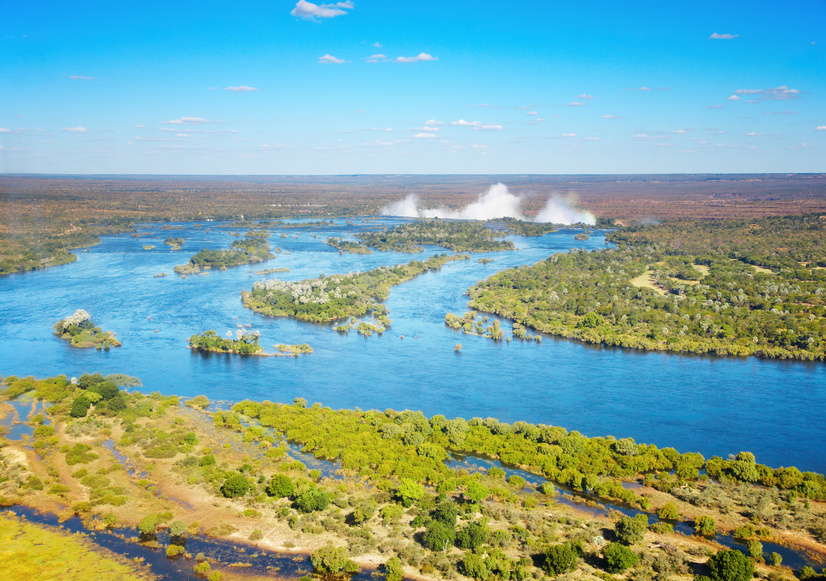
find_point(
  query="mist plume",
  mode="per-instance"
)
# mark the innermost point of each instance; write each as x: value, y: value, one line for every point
x: 497, y: 202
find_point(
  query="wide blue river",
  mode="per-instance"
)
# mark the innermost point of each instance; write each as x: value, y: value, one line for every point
x: 712, y: 405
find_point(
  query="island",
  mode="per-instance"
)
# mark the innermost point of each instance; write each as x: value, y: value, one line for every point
x: 253, y: 247
x: 245, y: 342
x: 81, y: 332
x: 174, y: 242
x: 341, y: 296
x: 730, y: 287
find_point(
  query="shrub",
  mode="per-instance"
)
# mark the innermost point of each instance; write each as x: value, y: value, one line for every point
x: 472, y: 536
x: 147, y: 524
x: 631, y: 530
x: 409, y: 491
x: 669, y: 512
x: 393, y: 569
x: 619, y: 557
x: 79, y: 407
x: 332, y: 560
x: 173, y: 551
x: 560, y: 559
x: 439, y: 536
x: 235, y: 486
x: 177, y: 528
x: 281, y: 486
x: 312, y: 500
x: 730, y: 565
x: 705, y: 526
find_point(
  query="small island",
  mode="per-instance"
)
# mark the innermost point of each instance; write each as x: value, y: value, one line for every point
x: 459, y: 236
x: 174, y: 243
x: 245, y: 343
x: 82, y: 332
x: 341, y: 296
x: 253, y: 247
x: 293, y: 350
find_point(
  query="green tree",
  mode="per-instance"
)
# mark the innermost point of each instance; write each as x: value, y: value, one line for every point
x: 312, y: 500
x: 472, y: 536
x: 668, y: 512
x: 235, y: 486
x: 631, y: 530
x: 80, y: 406
x: 393, y: 570
x: 409, y: 491
x: 561, y: 558
x: 619, y: 557
x: 177, y: 528
x: 439, y: 536
x: 147, y: 524
x: 730, y: 565
x: 476, y: 492
x: 281, y: 486
x: 330, y: 560
x: 705, y: 526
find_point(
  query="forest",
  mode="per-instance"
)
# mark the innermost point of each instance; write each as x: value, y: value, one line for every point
x: 245, y: 342
x: 335, y: 297
x: 390, y: 496
x: 253, y: 247
x: 727, y: 287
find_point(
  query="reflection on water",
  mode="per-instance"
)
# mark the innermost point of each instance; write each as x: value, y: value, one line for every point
x: 693, y: 403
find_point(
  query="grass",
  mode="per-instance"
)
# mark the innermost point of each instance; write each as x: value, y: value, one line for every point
x: 29, y: 551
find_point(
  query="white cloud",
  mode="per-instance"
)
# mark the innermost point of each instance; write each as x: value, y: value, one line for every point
x: 434, y: 122
x: 183, y: 135
x: 820, y: 128
x: 422, y: 56
x: 329, y: 59
x: 575, y: 104
x: 151, y: 139
x: 753, y: 134
x: 734, y: 98
x: 748, y: 91
x: 5, y: 130
x: 476, y: 125
x: 717, y: 36
x: 781, y: 93
x: 241, y: 89
x: 382, y: 129
x: 779, y: 112
x: 714, y: 107
x: 584, y: 96
x: 424, y: 135
x: 610, y: 116
x: 310, y: 11
x: 81, y: 78
x: 592, y: 139
x: 187, y: 121
x: 534, y: 113
x: 679, y: 131
x: 139, y: 126
x: 643, y: 88
x: 377, y: 44
x: 569, y: 135
x: 77, y: 129
x: 377, y: 58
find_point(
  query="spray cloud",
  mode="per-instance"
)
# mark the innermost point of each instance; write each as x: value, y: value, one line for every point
x: 497, y: 202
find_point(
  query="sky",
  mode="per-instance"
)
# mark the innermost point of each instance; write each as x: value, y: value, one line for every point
x: 368, y: 87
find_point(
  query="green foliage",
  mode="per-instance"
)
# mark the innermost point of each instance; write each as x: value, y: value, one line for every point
x: 734, y: 310
x: 409, y: 491
x: 336, y: 297
x: 619, y: 557
x: 177, y: 528
x: 253, y: 247
x: 173, y: 551
x: 245, y: 343
x: 330, y: 560
x: 234, y: 486
x: 393, y: 570
x: 476, y: 492
x: 705, y: 526
x: 311, y: 500
x: 80, y: 454
x: 459, y: 236
x: 281, y: 486
x: 669, y: 511
x: 631, y: 530
x: 147, y: 524
x: 80, y: 406
x: 472, y: 536
x: 730, y: 565
x: 439, y: 536
x: 560, y: 558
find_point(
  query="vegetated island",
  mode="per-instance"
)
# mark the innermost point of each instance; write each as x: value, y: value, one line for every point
x: 340, y: 296
x: 174, y: 242
x: 253, y: 247
x: 245, y: 343
x: 456, y: 235
x: 388, y: 497
x: 470, y: 326
x: 81, y: 332
x: 729, y: 287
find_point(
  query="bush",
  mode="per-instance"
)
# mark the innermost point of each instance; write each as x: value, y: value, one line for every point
x: 439, y: 536
x: 393, y: 569
x: 560, y: 559
x: 147, y: 524
x: 619, y: 557
x: 177, y: 529
x: 330, y: 560
x: 312, y: 500
x: 730, y: 565
x: 705, y: 526
x: 669, y: 512
x: 631, y: 530
x: 173, y: 551
x: 235, y: 486
x: 281, y: 486
x: 472, y: 536
x: 409, y: 491
x: 79, y: 407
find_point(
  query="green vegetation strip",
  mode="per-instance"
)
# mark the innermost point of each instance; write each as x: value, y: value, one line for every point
x: 82, y: 332
x: 339, y: 296
x: 733, y: 309
x: 253, y: 247
x: 29, y: 551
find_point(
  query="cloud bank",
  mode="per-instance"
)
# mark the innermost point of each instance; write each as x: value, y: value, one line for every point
x: 497, y: 202
x: 310, y: 11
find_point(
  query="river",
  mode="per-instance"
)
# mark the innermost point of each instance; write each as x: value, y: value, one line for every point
x: 712, y: 405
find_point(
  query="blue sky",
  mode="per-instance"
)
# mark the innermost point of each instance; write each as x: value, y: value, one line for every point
x: 352, y: 87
